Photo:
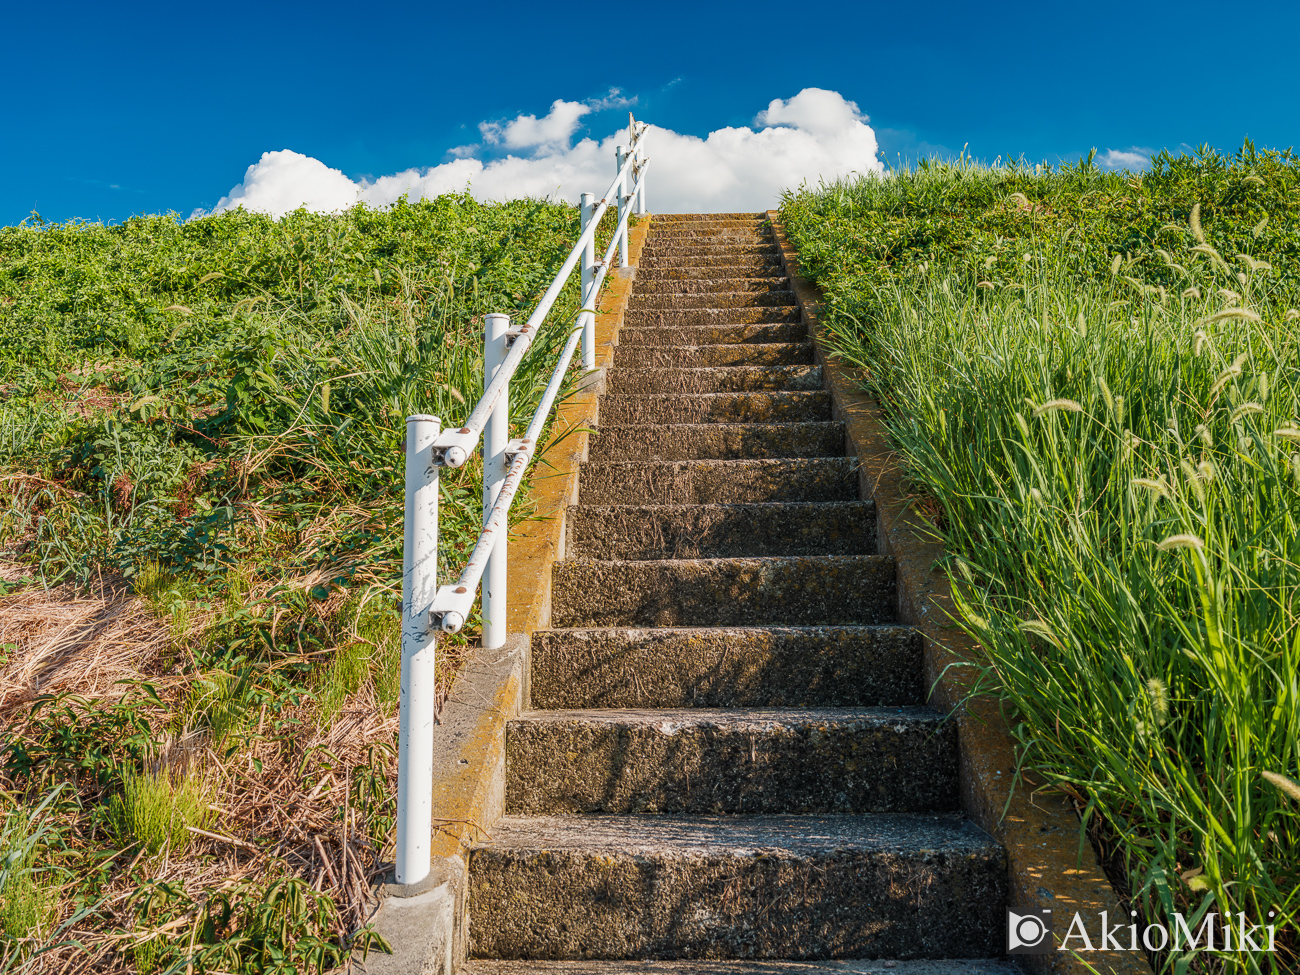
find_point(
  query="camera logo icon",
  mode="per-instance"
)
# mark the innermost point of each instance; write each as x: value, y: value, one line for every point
x: 1030, y: 934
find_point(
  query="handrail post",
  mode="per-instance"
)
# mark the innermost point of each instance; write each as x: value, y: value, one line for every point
x: 588, y: 295
x: 419, y: 642
x: 496, y: 434
x: 640, y: 183
x: 619, y: 156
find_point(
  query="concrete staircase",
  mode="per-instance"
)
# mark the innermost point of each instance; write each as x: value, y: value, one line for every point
x: 730, y: 756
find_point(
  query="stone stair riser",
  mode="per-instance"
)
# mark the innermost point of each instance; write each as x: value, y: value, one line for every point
x: 756, y: 284
x: 710, y: 356
x: 703, y: 263
x: 727, y: 233
x: 756, y: 333
x: 735, y: 299
x: 717, y: 762
x: 718, y: 441
x: 727, y: 667
x: 759, y: 407
x: 860, y: 966
x: 691, y: 251
x: 652, y: 318
x: 719, y: 482
x: 627, y: 532
x: 733, y: 379
x: 790, y: 591
x: 907, y: 899
x: 757, y: 268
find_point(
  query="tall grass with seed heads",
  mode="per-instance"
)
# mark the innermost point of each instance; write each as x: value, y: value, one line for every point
x: 1097, y: 376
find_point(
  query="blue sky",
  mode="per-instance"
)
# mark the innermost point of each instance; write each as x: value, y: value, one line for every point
x: 136, y: 108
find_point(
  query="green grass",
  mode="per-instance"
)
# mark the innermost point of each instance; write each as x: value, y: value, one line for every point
x: 1097, y: 376
x: 214, y: 412
x: 29, y: 891
x: 157, y: 807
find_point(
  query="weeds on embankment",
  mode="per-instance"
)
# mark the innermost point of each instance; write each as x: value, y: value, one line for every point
x: 1097, y: 377
x: 201, y: 431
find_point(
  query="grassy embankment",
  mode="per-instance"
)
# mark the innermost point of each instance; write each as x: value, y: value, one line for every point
x: 1096, y: 378
x: 200, y: 516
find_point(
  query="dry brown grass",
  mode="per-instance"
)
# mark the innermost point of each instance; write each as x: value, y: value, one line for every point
x: 282, y: 804
x: 70, y: 641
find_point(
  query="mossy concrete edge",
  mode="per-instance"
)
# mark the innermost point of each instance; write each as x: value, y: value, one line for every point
x: 1048, y: 867
x: 427, y: 923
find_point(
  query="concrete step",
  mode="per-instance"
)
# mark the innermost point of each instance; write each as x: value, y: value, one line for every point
x: 714, y: 299
x: 758, y: 267
x: 801, y: 887
x: 668, y: 262
x: 830, y: 590
x: 712, y: 232
x: 728, y: 667
x: 717, y: 441
x: 697, y: 317
x: 723, y: 379
x: 715, y: 284
x: 669, y: 230
x: 707, y: 761
x: 762, y: 333
x: 687, y: 218
x: 925, y: 966
x: 780, y: 406
x: 653, y: 250
x: 632, y: 532
x: 638, y: 357
x: 719, y: 481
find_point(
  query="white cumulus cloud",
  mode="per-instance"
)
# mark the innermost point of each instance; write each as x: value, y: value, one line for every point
x: 1133, y: 158
x: 555, y: 128
x: 817, y: 134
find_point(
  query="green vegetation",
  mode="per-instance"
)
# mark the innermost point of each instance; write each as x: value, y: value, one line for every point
x: 201, y: 430
x: 156, y: 809
x: 1096, y: 376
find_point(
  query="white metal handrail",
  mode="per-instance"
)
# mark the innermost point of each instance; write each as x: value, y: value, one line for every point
x: 428, y: 608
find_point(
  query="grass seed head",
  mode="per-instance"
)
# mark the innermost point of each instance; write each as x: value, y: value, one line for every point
x: 1052, y: 405
x: 1159, y: 696
x: 1245, y: 409
x: 1212, y: 254
x: 1154, y: 484
x: 1040, y: 628
x: 1229, y: 374
x: 1174, y: 542
x: 1194, y: 224
x: 1288, y: 787
x: 1253, y: 264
